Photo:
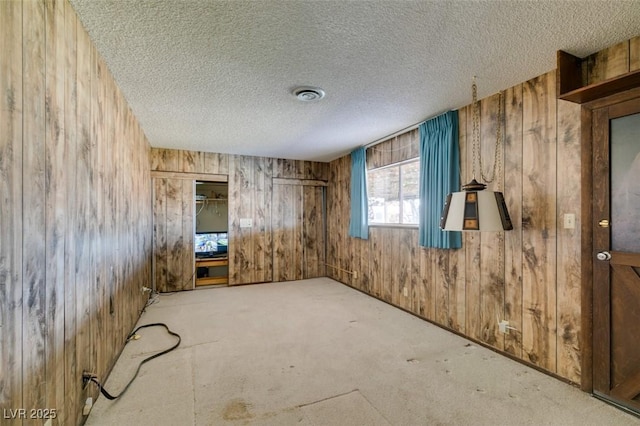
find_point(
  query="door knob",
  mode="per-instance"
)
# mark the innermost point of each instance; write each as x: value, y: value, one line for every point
x: 603, y: 255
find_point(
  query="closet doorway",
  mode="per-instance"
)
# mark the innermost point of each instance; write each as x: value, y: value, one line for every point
x: 211, y: 236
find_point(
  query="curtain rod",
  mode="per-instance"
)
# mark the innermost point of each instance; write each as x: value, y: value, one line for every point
x: 399, y: 132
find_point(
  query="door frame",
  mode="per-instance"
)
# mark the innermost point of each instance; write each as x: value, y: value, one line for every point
x: 587, y: 244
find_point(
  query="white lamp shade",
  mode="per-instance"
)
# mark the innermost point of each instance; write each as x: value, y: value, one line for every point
x: 475, y: 211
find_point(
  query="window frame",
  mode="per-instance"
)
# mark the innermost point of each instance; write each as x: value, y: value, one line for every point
x: 399, y: 165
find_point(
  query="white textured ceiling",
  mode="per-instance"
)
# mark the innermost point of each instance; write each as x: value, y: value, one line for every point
x: 217, y: 75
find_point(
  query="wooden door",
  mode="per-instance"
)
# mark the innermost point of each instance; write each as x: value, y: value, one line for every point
x: 616, y: 233
x: 298, y: 231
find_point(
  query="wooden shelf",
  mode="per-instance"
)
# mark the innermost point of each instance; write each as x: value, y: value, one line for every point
x: 212, y: 263
x: 570, y: 85
x: 211, y: 199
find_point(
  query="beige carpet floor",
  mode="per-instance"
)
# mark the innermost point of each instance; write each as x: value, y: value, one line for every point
x: 316, y: 352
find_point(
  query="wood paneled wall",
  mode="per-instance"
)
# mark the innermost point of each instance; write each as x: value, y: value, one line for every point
x: 534, y: 281
x: 75, y: 231
x: 250, y: 179
x: 530, y: 276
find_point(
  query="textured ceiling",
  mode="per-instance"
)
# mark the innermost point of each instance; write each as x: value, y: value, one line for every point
x: 218, y: 75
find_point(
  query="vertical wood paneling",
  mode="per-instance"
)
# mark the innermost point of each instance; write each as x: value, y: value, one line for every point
x: 471, y: 245
x: 539, y: 221
x: 250, y: 193
x: 607, y: 63
x: 287, y: 228
x: 634, y: 54
x: 389, y: 279
x: 62, y: 238
x: 68, y: 414
x: 539, y: 288
x: 491, y: 248
x: 188, y: 161
x: 11, y: 213
x: 187, y: 255
x: 457, y: 287
x: 84, y: 237
x: 173, y: 225
x: 513, y: 239
x: 441, y: 280
x: 175, y: 243
x: 415, y: 273
x: 427, y: 297
x: 375, y: 267
x: 568, y: 258
x: 313, y: 233
x: 403, y: 271
x: 34, y: 255
x: 55, y: 201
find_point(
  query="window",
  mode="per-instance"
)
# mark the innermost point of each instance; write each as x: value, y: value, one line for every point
x: 393, y: 193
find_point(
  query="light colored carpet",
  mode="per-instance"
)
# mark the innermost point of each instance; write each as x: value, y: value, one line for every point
x: 316, y: 352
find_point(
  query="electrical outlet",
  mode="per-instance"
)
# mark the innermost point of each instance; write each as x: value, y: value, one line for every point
x: 355, y: 275
x: 503, y: 326
x: 246, y: 222
x: 405, y: 291
x: 88, y: 405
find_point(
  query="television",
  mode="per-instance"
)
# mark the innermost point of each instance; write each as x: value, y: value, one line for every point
x: 211, y: 244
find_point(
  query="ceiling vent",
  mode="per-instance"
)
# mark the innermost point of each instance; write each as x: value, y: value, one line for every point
x: 308, y: 94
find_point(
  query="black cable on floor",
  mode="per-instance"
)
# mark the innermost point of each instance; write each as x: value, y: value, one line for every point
x: 87, y: 377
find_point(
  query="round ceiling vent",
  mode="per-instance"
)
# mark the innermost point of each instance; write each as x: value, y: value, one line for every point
x: 308, y: 94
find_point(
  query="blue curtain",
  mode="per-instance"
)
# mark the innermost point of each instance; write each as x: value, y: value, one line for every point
x: 439, y: 175
x: 359, y: 223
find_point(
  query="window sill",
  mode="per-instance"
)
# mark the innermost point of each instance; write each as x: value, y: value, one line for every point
x: 394, y: 225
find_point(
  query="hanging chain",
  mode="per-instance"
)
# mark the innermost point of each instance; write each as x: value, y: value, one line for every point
x: 497, y: 161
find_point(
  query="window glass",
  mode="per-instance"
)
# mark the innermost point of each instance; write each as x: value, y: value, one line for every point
x: 393, y: 193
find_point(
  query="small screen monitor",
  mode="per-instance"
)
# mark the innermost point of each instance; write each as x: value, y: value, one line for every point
x: 211, y: 244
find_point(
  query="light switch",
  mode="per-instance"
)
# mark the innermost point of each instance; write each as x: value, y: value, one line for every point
x: 569, y: 221
x: 246, y: 222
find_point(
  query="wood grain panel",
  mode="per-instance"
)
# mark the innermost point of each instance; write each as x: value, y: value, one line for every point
x: 84, y: 236
x: 175, y: 238
x: 375, y: 266
x: 457, y: 258
x: 11, y: 214
x: 55, y: 201
x: 539, y: 221
x: 634, y: 54
x: 96, y: 202
x: 415, y: 273
x: 471, y: 245
x: 34, y: 255
x: 188, y: 161
x: 71, y: 390
x: 403, y: 272
x: 427, y: 296
x: 513, y: 239
x: 440, y: 265
x: 491, y: 243
x: 568, y: 244
x: 608, y: 63
x: 544, y: 264
x: 62, y: 132
x: 187, y: 253
x: 287, y: 232
x: 314, y: 234
x: 250, y: 193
